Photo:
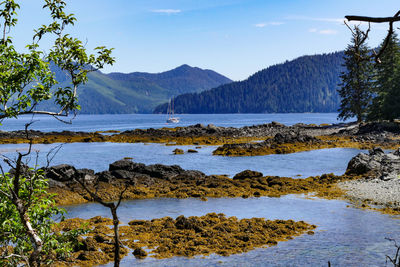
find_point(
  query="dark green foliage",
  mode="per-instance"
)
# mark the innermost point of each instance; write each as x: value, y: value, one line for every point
x: 357, y: 79
x: 139, y: 92
x: 386, y: 104
x: 307, y: 84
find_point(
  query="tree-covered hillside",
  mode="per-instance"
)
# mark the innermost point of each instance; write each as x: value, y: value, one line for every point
x: 306, y: 84
x: 139, y: 92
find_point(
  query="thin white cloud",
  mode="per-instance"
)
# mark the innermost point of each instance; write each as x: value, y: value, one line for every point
x: 333, y: 20
x: 264, y: 24
x: 276, y: 23
x: 167, y: 11
x: 325, y: 31
x: 260, y: 25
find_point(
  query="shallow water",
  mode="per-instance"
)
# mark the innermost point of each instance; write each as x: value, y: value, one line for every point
x: 124, y: 122
x: 98, y: 156
x: 345, y: 236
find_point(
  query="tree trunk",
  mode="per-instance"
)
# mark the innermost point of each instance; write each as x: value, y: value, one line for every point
x: 116, y: 237
x: 34, y: 259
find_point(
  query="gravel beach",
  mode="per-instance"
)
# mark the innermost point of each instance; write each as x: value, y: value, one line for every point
x: 385, y: 193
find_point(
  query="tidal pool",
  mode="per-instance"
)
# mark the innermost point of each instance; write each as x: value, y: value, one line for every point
x: 98, y: 156
x: 345, y: 236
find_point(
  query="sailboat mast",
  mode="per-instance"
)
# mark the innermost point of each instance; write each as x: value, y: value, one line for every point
x: 172, y: 107
x: 169, y: 109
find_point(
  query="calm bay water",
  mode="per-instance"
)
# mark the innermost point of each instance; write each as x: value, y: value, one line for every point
x: 98, y: 156
x: 345, y: 236
x: 124, y: 122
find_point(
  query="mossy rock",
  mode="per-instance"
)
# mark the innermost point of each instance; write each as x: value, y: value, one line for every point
x: 178, y: 151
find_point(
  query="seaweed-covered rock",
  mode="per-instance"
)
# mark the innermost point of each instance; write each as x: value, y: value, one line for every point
x: 247, y: 174
x: 139, y: 253
x: 178, y: 151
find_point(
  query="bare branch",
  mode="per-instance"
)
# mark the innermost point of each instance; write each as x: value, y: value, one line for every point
x: 121, y: 195
x: 372, y: 19
x: 389, y: 20
x: 52, y: 153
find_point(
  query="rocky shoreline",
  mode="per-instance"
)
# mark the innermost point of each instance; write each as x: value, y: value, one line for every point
x: 265, y: 139
x: 381, y: 183
x: 151, y: 181
x: 370, y: 179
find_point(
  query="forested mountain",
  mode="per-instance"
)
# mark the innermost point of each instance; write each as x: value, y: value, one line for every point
x: 306, y: 84
x: 139, y: 92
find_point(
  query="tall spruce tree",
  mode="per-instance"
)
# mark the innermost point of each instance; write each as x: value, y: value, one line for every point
x: 386, y: 104
x: 357, y: 79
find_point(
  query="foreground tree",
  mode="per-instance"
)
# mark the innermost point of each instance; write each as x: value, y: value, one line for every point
x: 387, y: 86
x: 26, y: 219
x: 25, y: 81
x: 357, y: 79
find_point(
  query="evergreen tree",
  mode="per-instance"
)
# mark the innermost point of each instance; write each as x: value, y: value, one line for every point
x: 357, y: 80
x: 386, y: 104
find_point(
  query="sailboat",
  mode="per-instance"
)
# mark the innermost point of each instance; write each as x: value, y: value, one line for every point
x: 170, y: 112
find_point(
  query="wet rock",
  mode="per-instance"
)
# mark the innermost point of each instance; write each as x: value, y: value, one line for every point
x: 105, y: 176
x: 293, y: 137
x: 384, y: 166
x: 247, y: 174
x: 124, y: 164
x: 139, y: 253
x: 86, y: 174
x: 379, y: 127
x: 61, y: 173
x: 192, y: 151
x: 277, y: 124
x: 123, y: 174
x: 178, y: 151
x: 53, y: 183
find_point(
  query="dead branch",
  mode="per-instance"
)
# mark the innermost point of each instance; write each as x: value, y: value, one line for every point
x: 372, y: 19
x: 389, y: 20
x: 396, y: 260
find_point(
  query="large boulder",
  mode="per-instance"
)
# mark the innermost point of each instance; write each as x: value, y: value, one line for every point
x: 384, y: 166
x: 126, y: 169
x: 62, y: 173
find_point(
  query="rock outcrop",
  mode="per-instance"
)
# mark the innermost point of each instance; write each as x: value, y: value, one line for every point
x: 124, y: 169
x: 381, y: 165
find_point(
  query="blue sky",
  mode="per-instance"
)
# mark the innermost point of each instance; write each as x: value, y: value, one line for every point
x: 233, y: 37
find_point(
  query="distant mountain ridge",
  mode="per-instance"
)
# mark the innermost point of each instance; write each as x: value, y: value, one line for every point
x: 306, y: 84
x: 139, y: 92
